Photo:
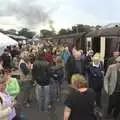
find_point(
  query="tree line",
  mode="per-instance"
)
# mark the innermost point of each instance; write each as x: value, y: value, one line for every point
x: 79, y: 28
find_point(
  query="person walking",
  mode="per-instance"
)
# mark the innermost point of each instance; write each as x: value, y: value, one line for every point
x: 7, y: 109
x: 112, y: 88
x: 7, y: 59
x: 40, y: 74
x: 25, y: 69
x: 95, y: 79
x: 80, y: 102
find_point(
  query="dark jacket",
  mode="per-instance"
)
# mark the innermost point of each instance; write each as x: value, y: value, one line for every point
x: 41, y: 72
x: 96, y: 78
x: 57, y: 72
x: 74, y: 66
x: 87, y: 62
x: 6, y: 58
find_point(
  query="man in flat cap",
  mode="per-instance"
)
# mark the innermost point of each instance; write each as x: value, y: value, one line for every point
x: 112, y: 88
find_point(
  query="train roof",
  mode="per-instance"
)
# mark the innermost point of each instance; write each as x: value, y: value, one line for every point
x: 114, y: 31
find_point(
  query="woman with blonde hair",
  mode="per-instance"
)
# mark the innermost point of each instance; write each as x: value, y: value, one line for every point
x: 80, y: 102
x: 25, y: 68
x: 95, y: 77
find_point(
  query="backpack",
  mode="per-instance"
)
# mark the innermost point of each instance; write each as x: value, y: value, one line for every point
x: 95, y: 78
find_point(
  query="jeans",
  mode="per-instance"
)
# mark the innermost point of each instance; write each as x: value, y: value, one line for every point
x: 43, y: 97
x: 27, y: 87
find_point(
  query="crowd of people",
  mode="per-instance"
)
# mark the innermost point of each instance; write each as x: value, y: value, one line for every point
x: 47, y: 66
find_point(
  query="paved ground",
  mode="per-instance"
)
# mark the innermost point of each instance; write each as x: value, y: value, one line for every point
x: 55, y: 114
x: 57, y: 111
x: 33, y: 114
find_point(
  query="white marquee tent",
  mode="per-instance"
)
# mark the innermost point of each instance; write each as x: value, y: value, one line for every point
x: 6, y: 41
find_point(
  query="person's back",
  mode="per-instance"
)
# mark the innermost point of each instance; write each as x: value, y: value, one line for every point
x: 6, y: 61
x: 95, y: 78
x: 82, y: 105
x: 40, y: 72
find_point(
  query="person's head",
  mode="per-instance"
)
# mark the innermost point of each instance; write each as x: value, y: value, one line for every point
x: 26, y: 58
x: 59, y: 61
x: 6, y: 51
x: 116, y: 54
x: 118, y: 62
x: 7, y: 73
x: 91, y: 53
x: 40, y: 55
x: 96, y: 59
x: 78, y: 81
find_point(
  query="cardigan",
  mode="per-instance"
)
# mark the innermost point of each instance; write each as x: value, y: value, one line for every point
x: 7, y: 112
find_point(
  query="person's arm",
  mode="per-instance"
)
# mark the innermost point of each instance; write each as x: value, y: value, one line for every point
x: 15, y: 90
x: 68, y: 106
x: 34, y: 72
x: 107, y: 78
x: 67, y: 112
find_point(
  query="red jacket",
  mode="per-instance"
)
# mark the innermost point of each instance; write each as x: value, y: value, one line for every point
x: 49, y: 57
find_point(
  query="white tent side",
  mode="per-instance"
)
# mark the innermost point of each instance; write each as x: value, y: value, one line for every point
x: 6, y: 41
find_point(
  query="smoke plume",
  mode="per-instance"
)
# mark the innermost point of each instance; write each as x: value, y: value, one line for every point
x: 26, y: 11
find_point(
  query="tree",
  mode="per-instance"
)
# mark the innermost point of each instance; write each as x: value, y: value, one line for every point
x: 26, y: 33
x: 97, y: 27
x: 11, y: 31
x: 62, y: 32
x: 2, y: 30
x: 81, y: 28
x: 46, y: 33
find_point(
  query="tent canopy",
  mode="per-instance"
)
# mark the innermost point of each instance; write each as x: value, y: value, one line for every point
x: 6, y: 41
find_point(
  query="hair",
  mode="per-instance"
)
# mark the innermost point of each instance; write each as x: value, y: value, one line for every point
x: 59, y: 61
x: 40, y: 55
x: 97, y: 58
x: 2, y: 71
x: 79, y: 81
x: 26, y: 57
x: 97, y: 55
x: 1, y: 100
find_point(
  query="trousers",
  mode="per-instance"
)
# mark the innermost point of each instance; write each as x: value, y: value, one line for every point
x: 114, y: 104
x: 43, y: 97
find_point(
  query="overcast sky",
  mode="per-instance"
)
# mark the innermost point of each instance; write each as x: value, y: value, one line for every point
x: 35, y: 14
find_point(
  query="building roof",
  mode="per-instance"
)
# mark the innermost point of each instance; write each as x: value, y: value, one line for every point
x: 114, y: 31
x: 65, y: 36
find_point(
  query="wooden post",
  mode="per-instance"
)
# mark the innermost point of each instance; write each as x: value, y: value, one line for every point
x: 102, y: 47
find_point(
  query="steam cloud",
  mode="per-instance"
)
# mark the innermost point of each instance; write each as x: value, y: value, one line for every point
x: 26, y: 11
